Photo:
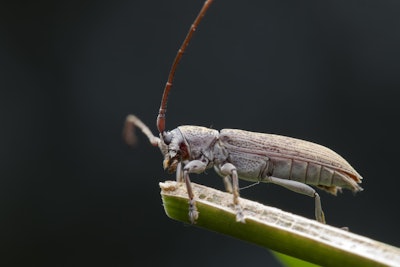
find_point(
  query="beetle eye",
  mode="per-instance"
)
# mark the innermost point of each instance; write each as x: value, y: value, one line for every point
x: 167, y: 138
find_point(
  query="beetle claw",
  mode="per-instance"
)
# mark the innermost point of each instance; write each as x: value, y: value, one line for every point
x: 193, y: 213
x: 239, y: 214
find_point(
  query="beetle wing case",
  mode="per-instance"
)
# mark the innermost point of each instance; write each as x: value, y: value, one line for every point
x: 294, y: 159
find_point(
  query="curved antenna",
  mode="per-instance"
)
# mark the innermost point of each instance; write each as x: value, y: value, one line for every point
x: 168, y: 85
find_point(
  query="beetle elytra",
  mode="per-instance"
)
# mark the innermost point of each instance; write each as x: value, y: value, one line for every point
x: 237, y: 154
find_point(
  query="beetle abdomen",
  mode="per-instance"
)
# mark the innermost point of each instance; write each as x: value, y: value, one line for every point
x: 313, y: 173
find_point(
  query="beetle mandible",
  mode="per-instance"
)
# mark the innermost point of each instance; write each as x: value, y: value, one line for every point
x: 292, y: 163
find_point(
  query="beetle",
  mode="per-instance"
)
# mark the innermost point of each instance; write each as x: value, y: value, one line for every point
x: 237, y: 154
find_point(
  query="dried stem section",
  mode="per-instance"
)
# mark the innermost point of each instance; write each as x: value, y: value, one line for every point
x: 277, y: 230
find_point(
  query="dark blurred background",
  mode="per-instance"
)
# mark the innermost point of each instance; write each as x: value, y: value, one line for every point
x: 73, y: 194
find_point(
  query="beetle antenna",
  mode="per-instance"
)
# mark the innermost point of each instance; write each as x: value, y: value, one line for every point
x: 168, y: 85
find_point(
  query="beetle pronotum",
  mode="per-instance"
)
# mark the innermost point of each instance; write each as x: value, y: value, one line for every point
x: 292, y: 163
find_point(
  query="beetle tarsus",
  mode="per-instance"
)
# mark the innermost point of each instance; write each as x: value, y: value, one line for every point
x: 239, y: 214
x: 193, y: 213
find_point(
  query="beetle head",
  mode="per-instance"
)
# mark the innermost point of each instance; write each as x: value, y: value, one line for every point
x: 174, y: 148
x: 187, y: 143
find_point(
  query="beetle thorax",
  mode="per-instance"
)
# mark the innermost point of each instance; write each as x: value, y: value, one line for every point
x: 200, y: 141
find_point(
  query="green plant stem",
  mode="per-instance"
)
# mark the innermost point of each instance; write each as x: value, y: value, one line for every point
x: 275, y: 229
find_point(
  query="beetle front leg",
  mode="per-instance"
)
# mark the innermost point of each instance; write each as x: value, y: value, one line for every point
x: 128, y: 132
x: 194, y: 166
x: 230, y: 170
x: 179, y: 173
x: 302, y: 189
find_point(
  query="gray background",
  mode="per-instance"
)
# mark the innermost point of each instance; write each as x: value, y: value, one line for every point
x: 73, y: 194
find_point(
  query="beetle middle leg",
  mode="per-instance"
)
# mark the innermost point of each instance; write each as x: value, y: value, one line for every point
x: 302, y: 189
x: 230, y: 170
x: 227, y: 183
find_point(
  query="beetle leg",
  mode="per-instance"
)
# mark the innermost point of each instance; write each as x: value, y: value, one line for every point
x: 228, y: 184
x: 179, y: 173
x: 129, y: 131
x: 302, y: 189
x: 230, y: 170
x: 194, y: 166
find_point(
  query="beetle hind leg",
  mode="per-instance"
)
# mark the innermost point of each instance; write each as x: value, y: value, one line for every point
x: 302, y: 189
x: 319, y: 214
